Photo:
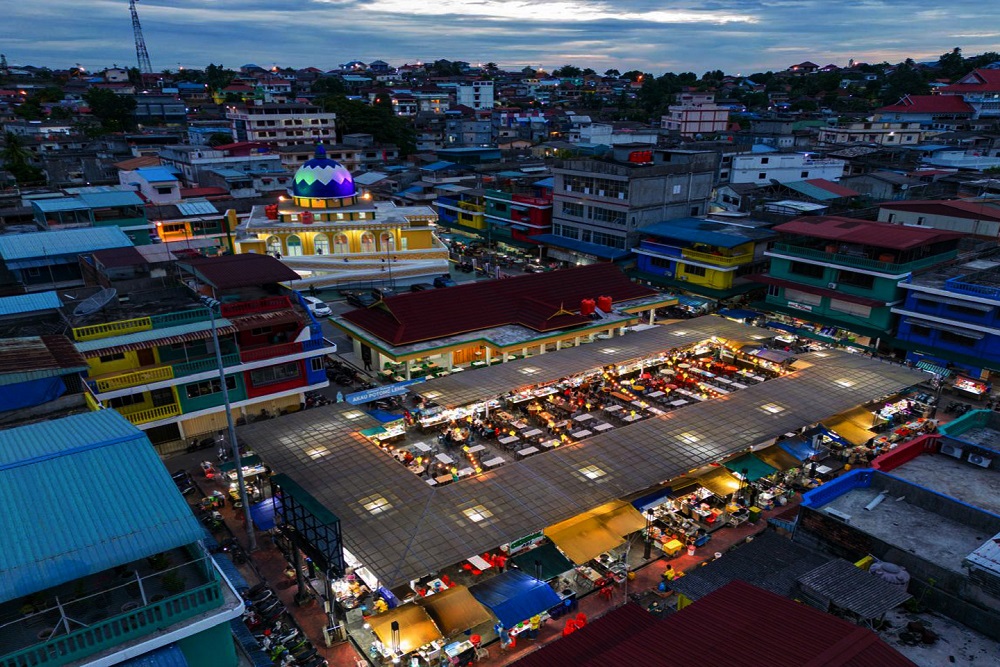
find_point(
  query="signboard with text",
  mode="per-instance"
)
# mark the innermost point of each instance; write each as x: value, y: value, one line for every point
x: 369, y: 395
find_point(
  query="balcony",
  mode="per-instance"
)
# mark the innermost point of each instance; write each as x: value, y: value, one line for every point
x: 717, y: 260
x: 863, y: 262
x: 270, y: 351
x: 138, y: 417
x: 121, y: 327
x: 149, y: 375
x: 108, y: 610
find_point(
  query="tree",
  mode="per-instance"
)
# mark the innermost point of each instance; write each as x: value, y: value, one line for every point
x: 16, y: 160
x: 952, y: 64
x: 612, y: 73
x: 376, y: 119
x: 218, y: 77
x: 906, y: 79
x: 567, y: 72
x: 632, y: 75
x: 114, y: 112
x: 328, y: 85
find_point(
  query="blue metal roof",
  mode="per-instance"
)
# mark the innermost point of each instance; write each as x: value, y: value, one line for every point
x: 437, y: 166
x: 197, y: 207
x: 812, y: 191
x: 57, y: 204
x: 62, y: 242
x: 29, y: 303
x: 90, y: 494
x: 156, y: 174
x: 709, y: 232
x: 549, y: 182
x: 116, y: 198
x: 602, y: 251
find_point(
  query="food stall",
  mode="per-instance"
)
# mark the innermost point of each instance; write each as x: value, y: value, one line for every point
x: 454, y: 610
x: 588, y: 535
x: 970, y: 387
x: 514, y: 597
x: 404, y: 630
x: 544, y: 562
x: 854, y: 425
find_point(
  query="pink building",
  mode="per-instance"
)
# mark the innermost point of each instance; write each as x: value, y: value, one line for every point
x: 695, y: 114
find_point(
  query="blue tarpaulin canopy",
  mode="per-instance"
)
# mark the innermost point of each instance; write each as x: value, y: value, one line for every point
x: 780, y: 326
x: 738, y: 313
x: 800, y: 449
x: 262, y: 514
x: 514, y: 597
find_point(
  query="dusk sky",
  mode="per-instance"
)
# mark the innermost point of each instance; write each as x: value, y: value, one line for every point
x: 737, y: 36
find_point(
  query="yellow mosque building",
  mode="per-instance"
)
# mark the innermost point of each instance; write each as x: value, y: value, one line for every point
x: 331, y: 235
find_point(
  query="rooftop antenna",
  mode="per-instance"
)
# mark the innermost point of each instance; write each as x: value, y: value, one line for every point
x: 94, y: 303
x: 141, y: 54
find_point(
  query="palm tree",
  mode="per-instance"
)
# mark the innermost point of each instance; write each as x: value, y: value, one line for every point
x: 16, y: 160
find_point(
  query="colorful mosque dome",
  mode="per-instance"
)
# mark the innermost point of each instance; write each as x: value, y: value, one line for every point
x: 322, y: 177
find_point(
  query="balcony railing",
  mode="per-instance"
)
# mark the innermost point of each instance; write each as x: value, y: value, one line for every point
x: 153, y: 414
x: 180, y: 317
x: 270, y: 352
x: 257, y: 306
x: 94, y: 331
x: 202, y: 365
x: 718, y: 260
x: 134, y: 378
x: 863, y: 262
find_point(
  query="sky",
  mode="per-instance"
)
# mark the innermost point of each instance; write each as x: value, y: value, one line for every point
x: 656, y: 36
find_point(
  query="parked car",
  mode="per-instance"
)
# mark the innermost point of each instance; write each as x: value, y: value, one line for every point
x: 317, y: 306
x: 379, y: 293
x: 444, y: 281
x: 361, y: 299
x: 420, y: 287
x: 531, y: 267
x: 466, y: 267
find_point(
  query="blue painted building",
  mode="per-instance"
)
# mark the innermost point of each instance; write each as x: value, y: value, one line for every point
x: 43, y: 261
x: 951, y: 316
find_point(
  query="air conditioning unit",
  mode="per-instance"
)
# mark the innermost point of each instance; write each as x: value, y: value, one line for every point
x: 980, y: 460
x: 837, y: 514
x: 949, y: 449
x: 832, y: 285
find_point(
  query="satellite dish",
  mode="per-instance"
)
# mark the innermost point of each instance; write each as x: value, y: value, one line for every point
x: 94, y: 303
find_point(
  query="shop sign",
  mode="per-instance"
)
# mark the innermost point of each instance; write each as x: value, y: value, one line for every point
x: 799, y: 306
x: 521, y: 543
x: 369, y: 395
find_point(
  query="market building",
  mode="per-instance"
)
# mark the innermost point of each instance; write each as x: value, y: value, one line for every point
x: 555, y: 464
x: 843, y: 274
x: 153, y: 359
x: 96, y: 580
x: 332, y: 234
x: 436, y: 332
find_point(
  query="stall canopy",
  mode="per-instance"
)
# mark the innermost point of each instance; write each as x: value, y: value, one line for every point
x: 682, y: 485
x: 513, y: 597
x: 720, y: 482
x: 780, y: 326
x: 803, y: 450
x: 454, y: 610
x: 551, y: 561
x: 754, y: 467
x: 852, y: 425
x: 776, y: 457
x: 738, y: 313
x: 247, y: 461
x: 262, y: 514
x: 416, y: 627
x: 591, y: 533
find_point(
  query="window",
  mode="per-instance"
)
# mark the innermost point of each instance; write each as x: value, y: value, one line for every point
x: 209, y: 387
x: 607, y: 215
x: 125, y: 401
x: 808, y: 270
x: 609, y: 240
x: 260, y: 331
x: 850, y: 308
x: 765, y: 160
x: 803, y: 297
x: 107, y: 358
x: 804, y: 174
x: 920, y: 220
x: 569, y: 208
x: 854, y: 279
x: 316, y: 364
x: 163, y: 190
x: 692, y: 270
x: 274, y: 374
x: 695, y: 210
x: 761, y: 176
x: 957, y: 339
x: 918, y: 330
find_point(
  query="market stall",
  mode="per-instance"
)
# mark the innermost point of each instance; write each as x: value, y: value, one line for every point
x: 970, y: 387
x: 853, y: 426
x: 592, y: 533
x: 778, y: 458
x: 544, y: 562
x: 514, y: 597
x: 454, y: 610
x: 403, y: 630
x: 750, y: 467
x: 720, y: 482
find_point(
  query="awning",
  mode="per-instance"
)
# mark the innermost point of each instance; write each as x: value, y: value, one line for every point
x: 547, y: 557
x: 262, y: 514
x: 416, y: 627
x: 852, y: 425
x: 592, y: 533
x: 156, y: 342
x: 682, y: 486
x: 931, y: 367
x: 754, y: 467
x: 776, y: 356
x: 454, y: 610
x: 513, y: 597
x: 800, y: 449
x: 738, y: 313
x: 780, y: 326
x: 776, y: 457
x: 247, y: 461
x: 720, y: 482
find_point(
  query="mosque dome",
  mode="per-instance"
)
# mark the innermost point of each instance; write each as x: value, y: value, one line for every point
x: 323, y: 178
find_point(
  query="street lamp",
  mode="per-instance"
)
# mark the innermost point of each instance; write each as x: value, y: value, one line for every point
x: 211, y: 304
x: 648, y: 550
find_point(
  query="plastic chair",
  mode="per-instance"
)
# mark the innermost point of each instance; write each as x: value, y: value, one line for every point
x: 482, y: 654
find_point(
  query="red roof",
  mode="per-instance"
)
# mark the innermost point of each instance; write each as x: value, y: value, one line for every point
x: 954, y: 208
x: 540, y: 301
x: 832, y: 188
x: 737, y: 624
x: 230, y: 271
x: 865, y: 232
x: 929, y: 104
x: 976, y: 81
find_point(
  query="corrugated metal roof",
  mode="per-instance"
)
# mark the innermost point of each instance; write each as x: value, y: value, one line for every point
x: 81, y: 486
x: 849, y: 587
x: 62, y: 242
x: 26, y: 359
x: 116, y: 198
x: 156, y: 174
x: 225, y: 326
x: 711, y: 232
x: 59, y: 204
x: 29, y: 303
x: 820, y: 189
x: 197, y: 208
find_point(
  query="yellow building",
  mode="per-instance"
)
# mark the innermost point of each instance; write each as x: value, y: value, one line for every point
x: 329, y: 232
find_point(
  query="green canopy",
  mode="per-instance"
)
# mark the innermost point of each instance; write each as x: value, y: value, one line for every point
x: 247, y: 461
x: 552, y: 560
x: 755, y: 468
x: 375, y: 430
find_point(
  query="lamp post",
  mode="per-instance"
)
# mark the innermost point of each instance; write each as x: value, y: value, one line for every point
x: 648, y: 550
x: 210, y: 305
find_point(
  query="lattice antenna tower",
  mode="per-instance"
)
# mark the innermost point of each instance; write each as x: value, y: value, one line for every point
x: 141, y: 54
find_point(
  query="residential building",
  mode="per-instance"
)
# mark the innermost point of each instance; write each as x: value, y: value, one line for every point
x: 843, y: 273
x: 157, y: 185
x: 980, y: 89
x: 195, y: 224
x: 600, y: 206
x: 192, y: 162
x: 42, y: 261
x: 695, y: 114
x: 970, y: 217
x: 464, y: 130
x: 98, y: 581
x: 337, y: 235
x: 765, y: 168
x: 872, y: 132
x: 152, y: 357
x: 474, y: 94
x: 931, y: 111
x: 950, y: 317
x: 705, y: 257
x: 358, y: 152
x: 517, y: 213
x: 95, y: 207
x: 461, y: 209
x: 159, y: 110
x: 39, y: 128
x: 282, y: 124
